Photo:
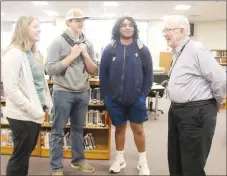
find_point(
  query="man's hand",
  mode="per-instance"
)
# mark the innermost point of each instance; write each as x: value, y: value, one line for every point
x: 75, y: 51
x: 83, y: 48
x: 218, y: 109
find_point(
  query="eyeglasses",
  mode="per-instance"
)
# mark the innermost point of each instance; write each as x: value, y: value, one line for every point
x: 169, y: 29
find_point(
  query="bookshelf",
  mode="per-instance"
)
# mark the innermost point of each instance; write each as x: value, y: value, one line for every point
x: 100, y: 134
x: 8, y: 150
x: 220, y: 56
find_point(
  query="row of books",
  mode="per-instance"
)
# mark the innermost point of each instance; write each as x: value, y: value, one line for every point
x: 219, y: 53
x: 95, y: 96
x: 2, y: 113
x: 89, y: 142
x: 4, y: 120
x: 6, y: 137
x: 2, y: 93
x: 94, y: 118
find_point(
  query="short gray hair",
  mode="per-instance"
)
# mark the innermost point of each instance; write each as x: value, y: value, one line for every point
x: 181, y: 22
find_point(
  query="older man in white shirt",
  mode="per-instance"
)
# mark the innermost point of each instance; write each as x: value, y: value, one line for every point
x: 196, y: 88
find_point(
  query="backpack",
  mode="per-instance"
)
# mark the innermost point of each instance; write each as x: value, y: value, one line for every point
x: 139, y: 47
x: 71, y: 43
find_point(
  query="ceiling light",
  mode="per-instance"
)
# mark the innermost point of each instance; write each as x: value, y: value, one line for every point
x: 51, y: 13
x: 40, y: 2
x: 110, y: 3
x: 193, y: 15
x: 2, y: 13
x: 182, y: 7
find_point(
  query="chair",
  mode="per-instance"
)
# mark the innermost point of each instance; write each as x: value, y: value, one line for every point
x: 152, y: 94
x: 165, y: 84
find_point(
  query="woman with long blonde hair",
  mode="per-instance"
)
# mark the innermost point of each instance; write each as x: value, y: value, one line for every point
x: 27, y: 93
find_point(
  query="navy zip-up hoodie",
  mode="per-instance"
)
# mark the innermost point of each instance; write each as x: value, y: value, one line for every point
x: 122, y: 78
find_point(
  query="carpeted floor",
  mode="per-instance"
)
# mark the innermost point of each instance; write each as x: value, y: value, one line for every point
x: 156, y: 135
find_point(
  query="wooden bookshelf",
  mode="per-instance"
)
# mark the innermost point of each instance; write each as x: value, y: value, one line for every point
x: 49, y: 82
x: 4, y: 124
x: 89, y: 154
x: 224, y: 105
x: 220, y: 56
x: 102, y: 141
x: 8, y: 150
x: 3, y: 101
x: 102, y: 136
x: 92, y: 81
x: 95, y: 105
x: 85, y: 127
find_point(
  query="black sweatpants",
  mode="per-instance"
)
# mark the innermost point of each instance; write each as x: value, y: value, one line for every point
x: 25, y: 136
x: 191, y: 128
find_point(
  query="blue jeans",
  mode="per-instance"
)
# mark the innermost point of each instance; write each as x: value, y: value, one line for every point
x: 67, y: 105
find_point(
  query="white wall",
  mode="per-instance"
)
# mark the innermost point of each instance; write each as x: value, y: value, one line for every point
x: 48, y: 32
x: 100, y: 31
x: 212, y: 33
x: 6, y: 29
x: 156, y: 41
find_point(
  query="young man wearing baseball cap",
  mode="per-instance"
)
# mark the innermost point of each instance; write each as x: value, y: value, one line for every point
x: 70, y: 59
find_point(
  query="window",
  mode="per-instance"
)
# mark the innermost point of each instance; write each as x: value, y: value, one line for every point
x: 48, y: 33
x: 5, y: 40
x: 99, y: 32
x: 143, y: 31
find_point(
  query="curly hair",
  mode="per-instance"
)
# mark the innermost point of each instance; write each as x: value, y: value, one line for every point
x: 117, y: 26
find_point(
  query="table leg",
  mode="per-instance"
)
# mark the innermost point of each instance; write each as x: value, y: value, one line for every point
x: 156, y: 105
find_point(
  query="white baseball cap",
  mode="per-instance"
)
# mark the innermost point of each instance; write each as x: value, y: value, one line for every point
x: 75, y: 14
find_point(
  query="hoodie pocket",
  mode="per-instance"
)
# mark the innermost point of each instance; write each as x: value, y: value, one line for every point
x: 36, y: 113
x: 140, y: 103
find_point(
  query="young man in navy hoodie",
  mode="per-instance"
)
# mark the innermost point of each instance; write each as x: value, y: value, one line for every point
x: 126, y: 75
